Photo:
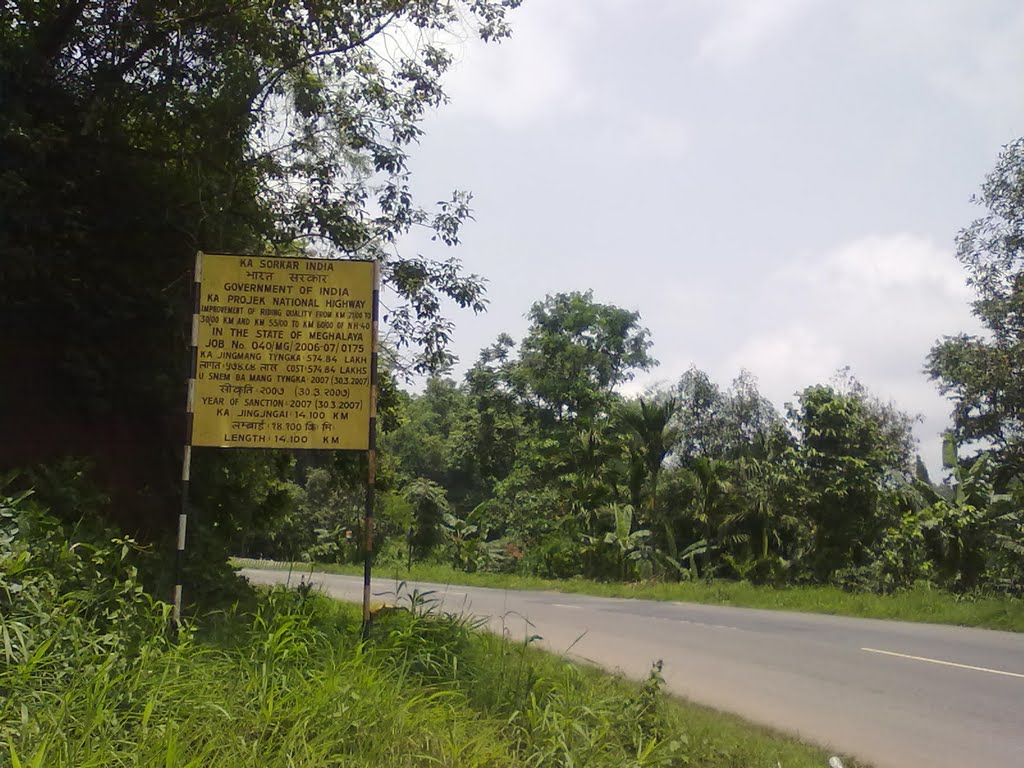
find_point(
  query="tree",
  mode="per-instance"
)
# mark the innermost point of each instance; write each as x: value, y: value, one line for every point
x: 984, y: 375
x: 499, y: 413
x: 749, y: 417
x: 134, y: 133
x: 761, y: 483
x: 650, y: 437
x: 713, y: 488
x: 709, y: 494
x: 586, y: 469
x: 577, y: 351
x: 429, y: 504
x: 699, y: 417
x: 851, y: 446
x: 720, y: 424
x: 429, y: 424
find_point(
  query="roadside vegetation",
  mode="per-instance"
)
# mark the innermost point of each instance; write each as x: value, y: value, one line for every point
x: 535, y: 465
x: 90, y: 675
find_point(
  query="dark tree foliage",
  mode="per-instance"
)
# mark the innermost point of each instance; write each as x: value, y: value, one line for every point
x: 984, y: 375
x: 851, y: 447
x: 429, y: 506
x: 500, y: 416
x: 134, y: 133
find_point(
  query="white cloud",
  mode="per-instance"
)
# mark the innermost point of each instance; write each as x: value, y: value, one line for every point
x: 884, y: 270
x: 970, y: 52
x: 745, y: 26
x: 877, y: 304
x: 532, y: 76
x: 786, y: 359
x: 650, y: 135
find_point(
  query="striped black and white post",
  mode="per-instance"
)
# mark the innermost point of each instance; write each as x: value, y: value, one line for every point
x: 186, y: 463
x: 371, y: 452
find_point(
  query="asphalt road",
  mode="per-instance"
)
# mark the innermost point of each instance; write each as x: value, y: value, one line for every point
x: 895, y: 694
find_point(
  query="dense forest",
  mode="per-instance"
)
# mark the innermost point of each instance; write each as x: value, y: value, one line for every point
x: 536, y: 463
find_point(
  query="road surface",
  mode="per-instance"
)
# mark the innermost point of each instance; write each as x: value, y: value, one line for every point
x: 895, y: 694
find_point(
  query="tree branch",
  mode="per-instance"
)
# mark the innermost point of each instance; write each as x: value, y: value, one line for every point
x: 51, y: 37
x: 265, y: 88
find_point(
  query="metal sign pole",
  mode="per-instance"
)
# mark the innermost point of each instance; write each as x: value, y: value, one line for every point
x: 179, y: 553
x: 186, y: 464
x: 371, y: 453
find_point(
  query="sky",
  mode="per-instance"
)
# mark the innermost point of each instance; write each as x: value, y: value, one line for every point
x: 774, y: 185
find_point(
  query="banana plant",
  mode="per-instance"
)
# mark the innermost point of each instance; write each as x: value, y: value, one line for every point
x: 975, y: 521
x: 630, y: 545
x: 464, y: 544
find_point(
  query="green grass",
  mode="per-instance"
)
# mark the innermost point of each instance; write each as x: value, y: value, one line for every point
x: 921, y: 604
x: 92, y: 675
x: 290, y: 683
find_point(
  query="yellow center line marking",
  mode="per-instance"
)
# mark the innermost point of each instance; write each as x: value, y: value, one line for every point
x: 945, y: 663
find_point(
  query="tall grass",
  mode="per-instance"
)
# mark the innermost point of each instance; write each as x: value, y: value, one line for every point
x: 292, y: 684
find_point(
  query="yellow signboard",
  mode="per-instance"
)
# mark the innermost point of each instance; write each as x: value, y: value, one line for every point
x: 283, y: 353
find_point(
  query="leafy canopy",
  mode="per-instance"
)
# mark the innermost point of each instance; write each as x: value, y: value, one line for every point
x: 134, y: 133
x: 984, y: 374
x: 577, y: 351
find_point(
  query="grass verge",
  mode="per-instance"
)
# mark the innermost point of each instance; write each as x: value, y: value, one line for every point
x: 921, y: 604
x: 290, y: 682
